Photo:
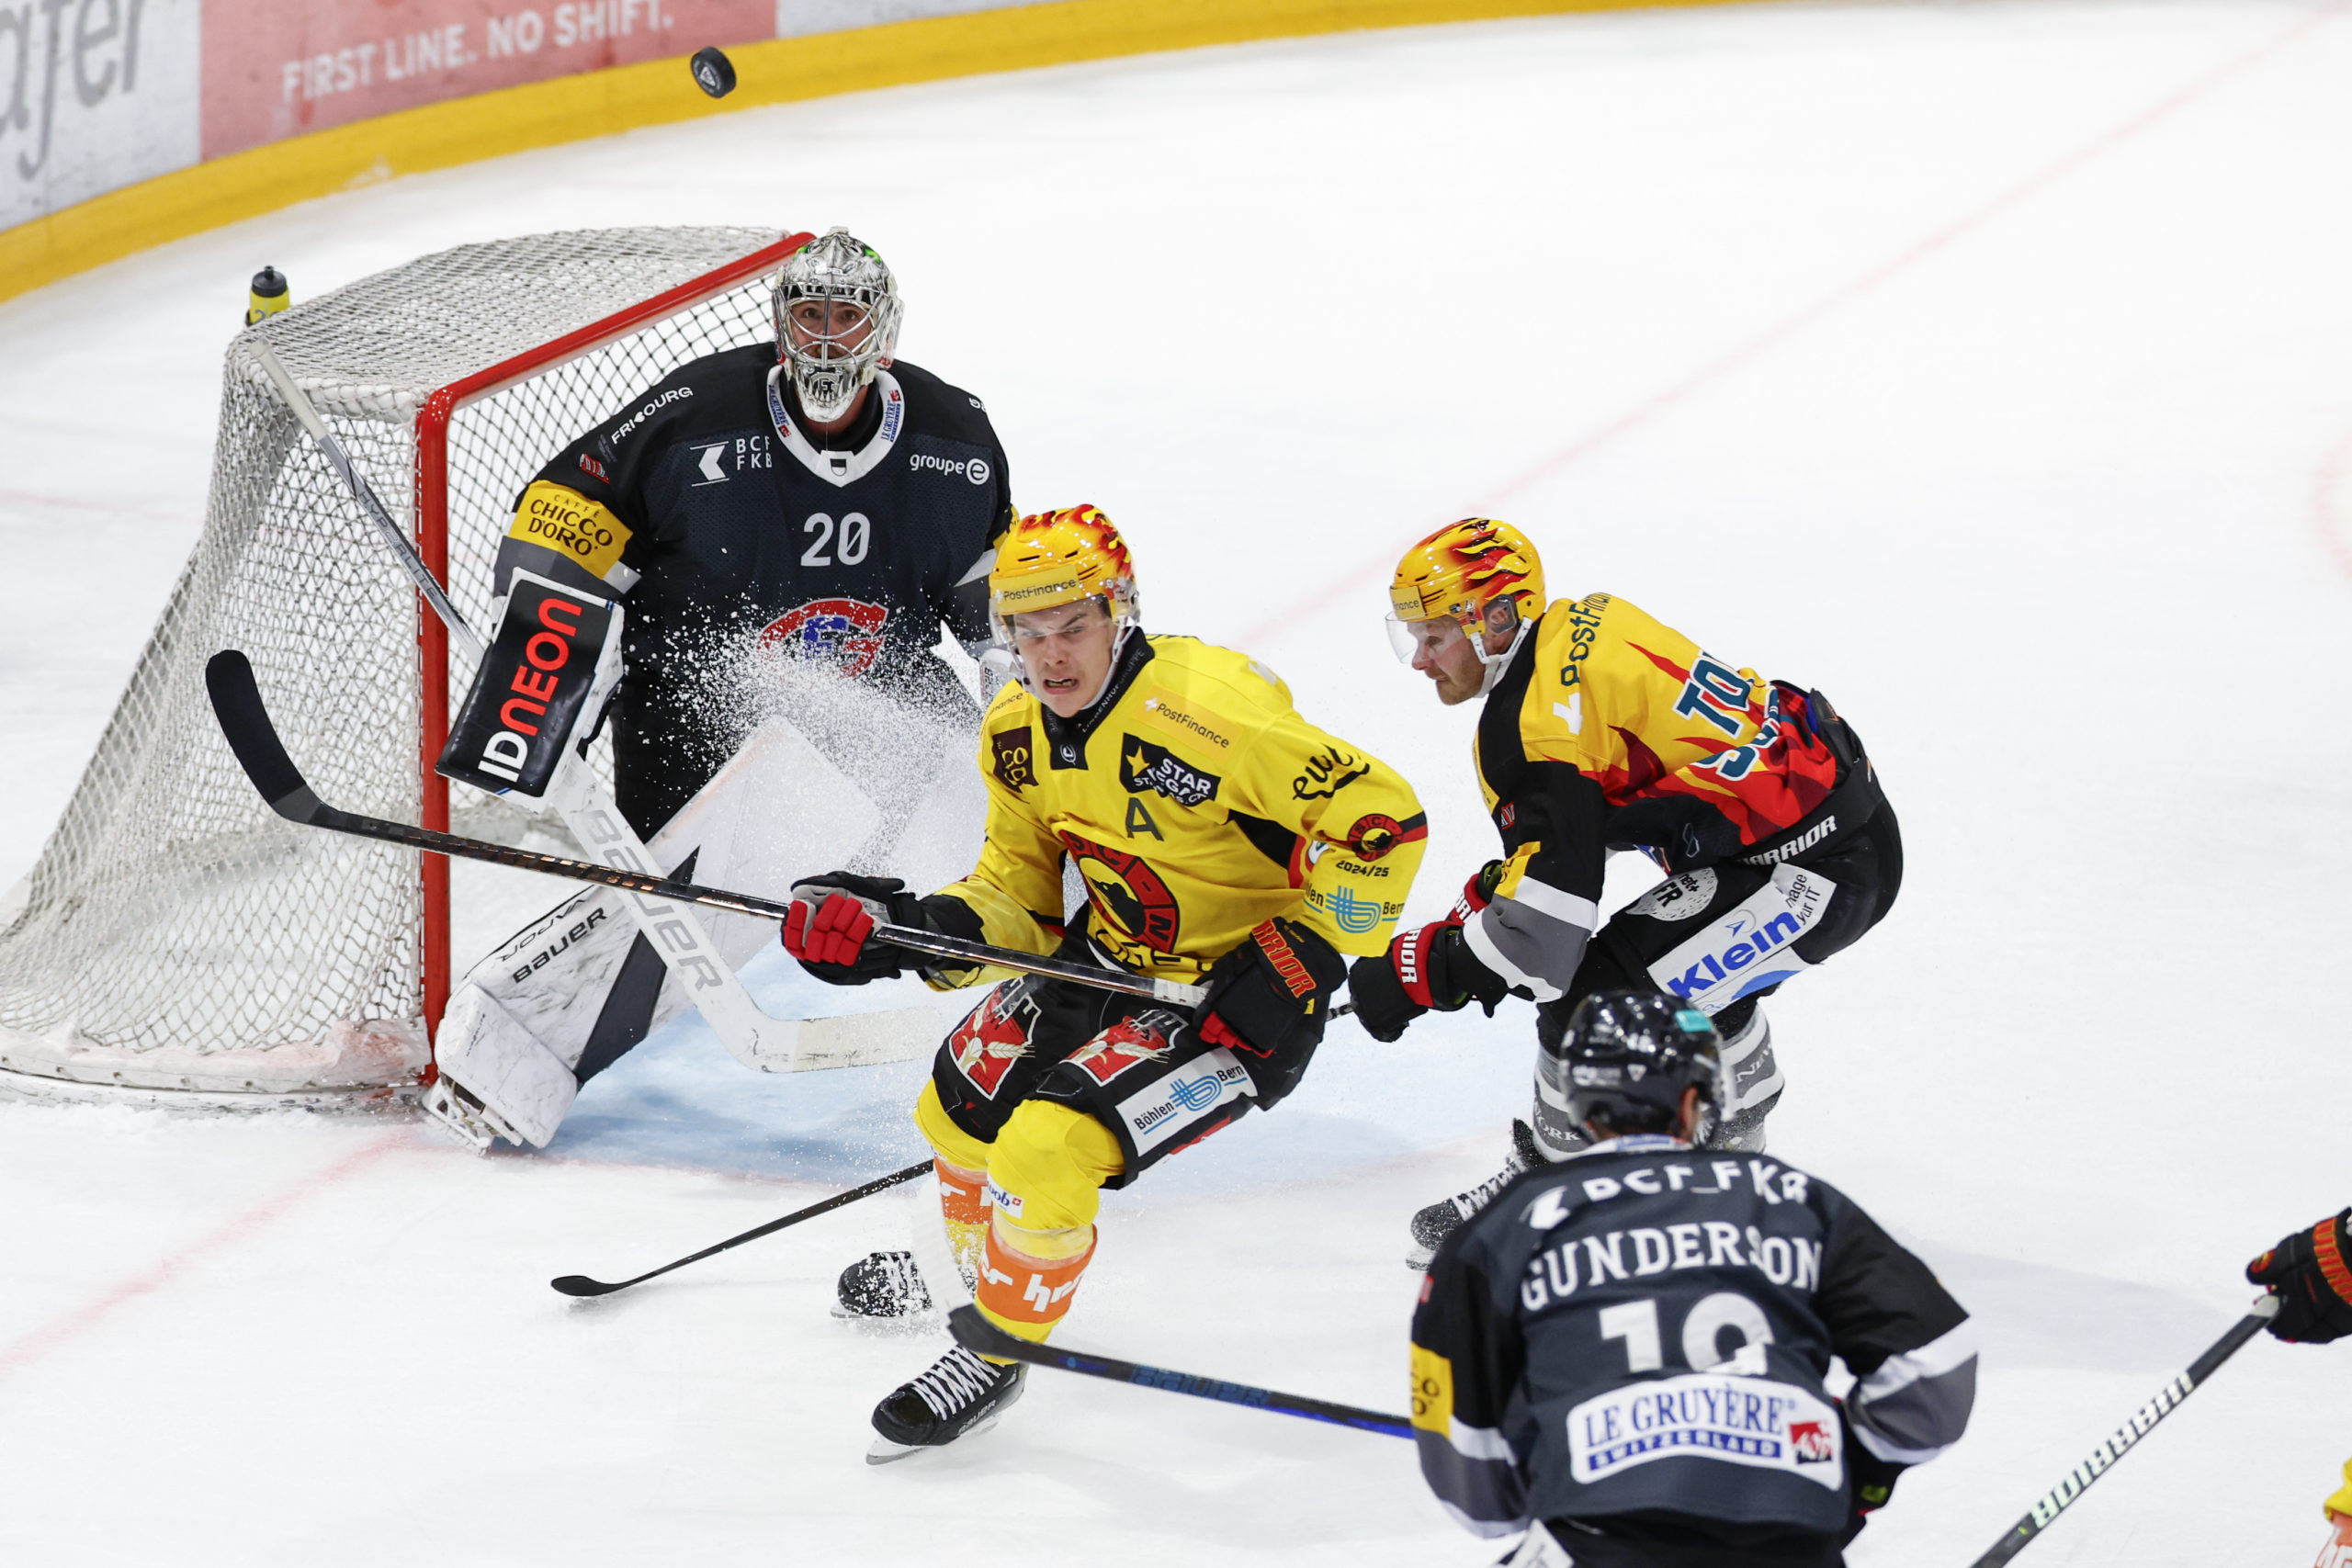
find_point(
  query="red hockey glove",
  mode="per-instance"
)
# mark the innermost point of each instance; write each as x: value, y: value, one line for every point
x: 831, y: 918
x: 2311, y: 1273
x: 1267, y: 1002
x: 1431, y: 969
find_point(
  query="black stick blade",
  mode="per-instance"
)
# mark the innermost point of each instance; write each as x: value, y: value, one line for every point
x: 982, y: 1338
x: 581, y: 1285
x: 244, y: 724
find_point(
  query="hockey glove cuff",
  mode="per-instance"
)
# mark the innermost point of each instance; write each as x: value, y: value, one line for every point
x: 1871, y: 1479
x: 832, y: 917
x: 1267, y: 1002
x: 2311, y: 1273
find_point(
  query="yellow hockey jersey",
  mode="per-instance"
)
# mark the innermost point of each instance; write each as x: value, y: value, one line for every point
x: 1196, y: 804
x: 1609, y: 730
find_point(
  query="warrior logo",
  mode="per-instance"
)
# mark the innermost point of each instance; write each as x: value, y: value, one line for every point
x: 1015, y: 764
x: 1130, y: 895
x: 847, y: 632
x: 993, y: 1037
x: 1143, y: 766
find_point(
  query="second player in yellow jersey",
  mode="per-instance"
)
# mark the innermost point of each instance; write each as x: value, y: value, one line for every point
x: 1222, y: 839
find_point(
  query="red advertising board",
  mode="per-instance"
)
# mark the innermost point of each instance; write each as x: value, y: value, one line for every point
x: 277, y: 68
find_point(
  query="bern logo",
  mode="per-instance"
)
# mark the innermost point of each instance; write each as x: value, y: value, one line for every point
x: 1143, y: 1038
x: 1811, y: 1442
x: 847, y: 632
x: 1144, y: 767
x: 996, y: 1034
x: 1014, y: 763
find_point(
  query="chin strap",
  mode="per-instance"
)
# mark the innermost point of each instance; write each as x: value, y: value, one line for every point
x: 1497, y: 663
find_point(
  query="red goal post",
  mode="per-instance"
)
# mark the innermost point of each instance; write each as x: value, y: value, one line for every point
x: 176, y: 942
x: 432, y: 496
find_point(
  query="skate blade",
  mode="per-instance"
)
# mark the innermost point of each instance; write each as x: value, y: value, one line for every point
x: 1420, y: 1258
x: 882, y: 1450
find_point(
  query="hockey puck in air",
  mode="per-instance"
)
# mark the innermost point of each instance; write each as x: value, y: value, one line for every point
x: 714, y: 72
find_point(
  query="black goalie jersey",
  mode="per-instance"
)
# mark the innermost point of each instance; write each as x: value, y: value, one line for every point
x: 1637, y: 1338
x: 728, y: 530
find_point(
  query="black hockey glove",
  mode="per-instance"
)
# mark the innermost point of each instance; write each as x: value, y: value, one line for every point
x: 2307, y: 1271
x: 1870, y: 1478
x: 834, y: 916
x: 1429, y: 970
x: 1267, y: 1003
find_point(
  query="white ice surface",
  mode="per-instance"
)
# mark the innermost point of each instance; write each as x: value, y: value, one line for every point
x: 1987, y: 365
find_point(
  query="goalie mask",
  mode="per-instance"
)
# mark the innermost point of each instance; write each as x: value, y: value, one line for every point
x: 1467, y: 578
x: 1050, y: 559
x: 837, y: 310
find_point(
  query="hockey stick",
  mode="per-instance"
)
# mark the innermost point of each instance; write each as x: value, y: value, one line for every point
x: 244, y: 721
x: 581, y: 1285
x: 981, y: 1337
x: 2102, y: 1458
x: 750, y: 1036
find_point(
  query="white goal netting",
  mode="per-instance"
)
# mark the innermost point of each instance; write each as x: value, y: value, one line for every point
x: 174, y: 935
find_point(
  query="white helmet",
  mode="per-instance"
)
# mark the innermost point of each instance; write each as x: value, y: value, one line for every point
x: 831, y: 358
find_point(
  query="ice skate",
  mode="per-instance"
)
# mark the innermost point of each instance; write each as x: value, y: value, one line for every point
x: 1434, y: 1224
x: 961, y: 1394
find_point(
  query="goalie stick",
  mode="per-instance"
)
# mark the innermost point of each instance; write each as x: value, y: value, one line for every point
x: 750, y: 1036
x: 581, y: 1286
x: 244, y: 722
x: 981, y: 1337
x: 2103, y: 1457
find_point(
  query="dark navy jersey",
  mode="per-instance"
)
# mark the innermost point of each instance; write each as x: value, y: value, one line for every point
x: 731, y: 533
x: 1644, y: 1330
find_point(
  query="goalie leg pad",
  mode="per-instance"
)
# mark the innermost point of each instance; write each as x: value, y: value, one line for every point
x: 519, y: 1081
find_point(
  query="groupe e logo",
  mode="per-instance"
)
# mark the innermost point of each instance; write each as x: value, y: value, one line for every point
x: 976, y: 470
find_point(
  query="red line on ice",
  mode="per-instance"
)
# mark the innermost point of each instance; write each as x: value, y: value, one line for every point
x: 2332, y: 502
x: 23, y: 1352
x: 1771, y: 337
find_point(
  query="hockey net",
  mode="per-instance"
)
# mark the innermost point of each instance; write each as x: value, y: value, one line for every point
x: 175, y: 938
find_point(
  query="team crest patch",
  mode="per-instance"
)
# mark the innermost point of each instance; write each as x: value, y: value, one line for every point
x: 847, y: 632
x: 1014, y: 758
x: 1144, y: 766
x: 1132, y: 897
x: 992, y: 1037
x: 1143, y: 1038
x: 1374, y: 835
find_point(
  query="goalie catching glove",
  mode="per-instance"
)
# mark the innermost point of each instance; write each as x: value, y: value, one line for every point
x: 830, y: 927
x: 1267, y: 1003
x: 1429, y: 970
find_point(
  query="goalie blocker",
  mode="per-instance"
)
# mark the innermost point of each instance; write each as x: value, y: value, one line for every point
x: 545, y: 678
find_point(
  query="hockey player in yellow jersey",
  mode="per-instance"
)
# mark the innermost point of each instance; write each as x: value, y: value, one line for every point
x: 1223, y: 839
x: 1604, y: 729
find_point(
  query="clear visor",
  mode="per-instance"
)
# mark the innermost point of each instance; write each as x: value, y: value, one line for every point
x: 1420, y: 642
x: 1038, y: 630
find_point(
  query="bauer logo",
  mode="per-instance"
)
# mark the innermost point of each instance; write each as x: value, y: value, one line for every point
x: 1750, y: 947
x: 1158, y: 1113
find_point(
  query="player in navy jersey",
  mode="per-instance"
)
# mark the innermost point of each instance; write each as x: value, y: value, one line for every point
x: 1624, y: 1355
x: 814, y: 496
